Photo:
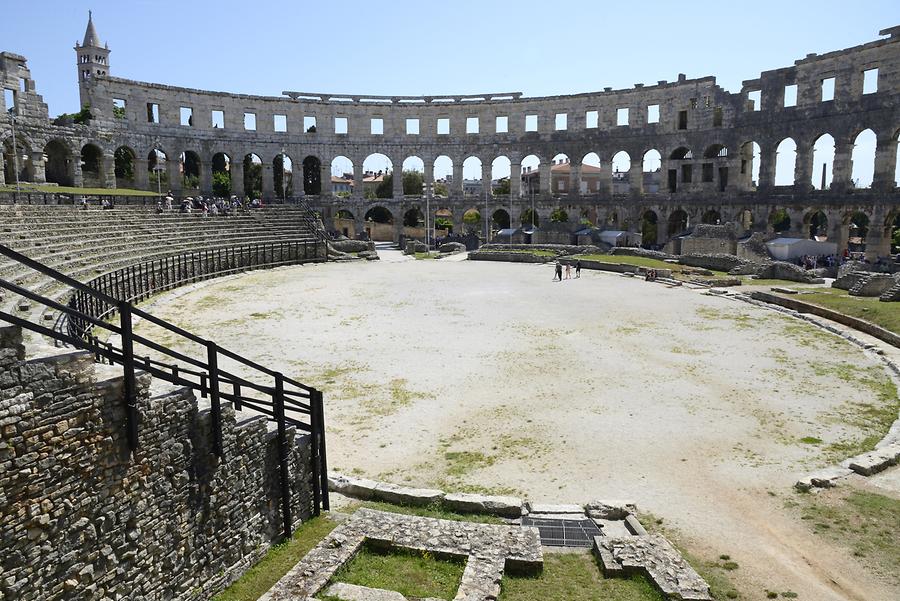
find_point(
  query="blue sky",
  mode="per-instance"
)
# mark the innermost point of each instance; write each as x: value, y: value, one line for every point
x: 405, y: 47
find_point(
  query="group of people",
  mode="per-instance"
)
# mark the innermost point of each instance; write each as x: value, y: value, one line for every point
x: 207, y: 206
x: 558, y: 271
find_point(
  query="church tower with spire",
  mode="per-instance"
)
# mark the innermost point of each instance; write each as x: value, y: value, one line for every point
x: 93, y: 59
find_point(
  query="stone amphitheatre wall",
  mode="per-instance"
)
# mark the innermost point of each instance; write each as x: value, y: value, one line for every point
x: 704, y: 136
x: 82, y: 519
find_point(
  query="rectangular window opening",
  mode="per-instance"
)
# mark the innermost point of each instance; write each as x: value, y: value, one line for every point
x: 653, y: 113
x: 471, y: 125
x: 186, y: 116
x: 562, y: 121
x: 622, y: 117
x: 250, y: 121
x: 152, y: 112
x: 309, y: 124
x: 9, y: 99
x: 682, y: 119
x: 790, y: 95
x: 827, y: 89
x: 591, y: 119
x: 340, y: 125
x: 412, y: 127
x: 376, y: 127
x: 217, y: 119
x: 693, y: 103
x: 717, y: 116
x: 279, y: 122
x: 755, y: 98
x: 443, y: 126
x: 502, y: 125
x: 870, y: 81
x: 118, y: 108
x: 531, y: 122
x: 23, y: 86
x: 707, y: 173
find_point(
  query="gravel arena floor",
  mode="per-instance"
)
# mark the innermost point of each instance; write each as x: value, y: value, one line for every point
x: 490, y: 377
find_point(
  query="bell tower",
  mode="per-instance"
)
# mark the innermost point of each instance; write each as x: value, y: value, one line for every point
x: 93, y: 59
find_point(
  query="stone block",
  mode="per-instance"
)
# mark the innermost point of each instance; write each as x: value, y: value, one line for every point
x: 875, y: 461
x: 610, y: 510
x: 402, y: 495
x: 549, y: 508
x: 504, y: 506
x: 349, y: 486
x: 352, y: 592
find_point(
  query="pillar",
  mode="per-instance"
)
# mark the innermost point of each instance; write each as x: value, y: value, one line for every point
x: 268, y: 182
x: 604, y: 187
x: 77, y: 176
x: 636, y: 178
x: 803, y: 167
x: 237, y: 177
x: 206, y: 177
x: 325, y: 178
x: 429, y: 178
x: 843, y: 164
x: 173, y: 167
x: 885, y: 164
x: 358, y: 188
x: 39, y: 175
x: 2, y: 167
x: 108, y: 166
x: 574, y: 179
x: 544, y: 181
x: 877, y: 243
x: 397, y: 181
x: 456, y: 186
x: 515, y: 180
x: 141, y: 175
x: 767, y: 158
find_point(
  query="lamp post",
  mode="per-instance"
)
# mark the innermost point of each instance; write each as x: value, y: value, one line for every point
x: 284, y: 177
x: 428, y: 187
x: 12, y: 119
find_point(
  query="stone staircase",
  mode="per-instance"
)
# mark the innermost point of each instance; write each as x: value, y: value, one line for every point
x: 876, y: 284
x: 892, y: 294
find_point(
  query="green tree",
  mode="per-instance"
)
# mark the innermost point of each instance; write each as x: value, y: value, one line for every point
x: 413, y: 183
x: 386, y: 188
x: 124, y: 163
x: 252, y: 178
x: 502, y: 186
x: 559, y: 215
x: 119, y: 112
x: 440, y: 189
x: 221, y: 184
x: 442, y: 223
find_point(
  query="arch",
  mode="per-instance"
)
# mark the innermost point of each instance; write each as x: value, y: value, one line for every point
x: 750, y: 161
x: 531, y: 175
x: 559, y: 215
x: 312, y: 176
x: 863, y: 158
x: 500, y: 219
x: 413, y: 170
x: 818, y: 224
x: 682, y: 153
x: 678, y: 223
x: 414, y: 217
x: 443, y: 220
x: 529, y: 218
x: 377, y: 176
x: 472, y: 170
x: 780, y: 221
x: 501, y: 169
x: 190, y: 170
x: 892, y: 231
x: 560, y: 174
x: 91, y: 159
x: 157, y: 169
x: 785, y: 162
x: 715, y: 151
x: 858, y: 230
x: 221, y: 175
x: 344, y: 214
x: 711, y: 217
x: 252, y: 175
x: 17, y: 155
x: 443, y: 175
x: 124, y: 158
x: 651, y: 168
x: 343, y: 176
x: 649, y: 223
x: 379, y: 214
x: 621, y: 167
x: 283, y: 175
x: 823, y: 162
x: 57, y: 163
x: 591, y: 173
x: 471, y: 220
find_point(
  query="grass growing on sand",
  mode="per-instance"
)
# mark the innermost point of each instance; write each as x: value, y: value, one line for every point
x: 886, y: 315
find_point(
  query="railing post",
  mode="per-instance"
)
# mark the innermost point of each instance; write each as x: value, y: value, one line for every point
x: 238, y: 405
x: 212, y: 355
x: 129, y: 389
x: 314, y: 452
x: 323, y: 460
x: 278, y: 401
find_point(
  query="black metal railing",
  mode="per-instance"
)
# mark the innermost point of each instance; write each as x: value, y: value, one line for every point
x: 216, y: 373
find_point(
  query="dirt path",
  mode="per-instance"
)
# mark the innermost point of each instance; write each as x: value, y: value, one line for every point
x: 488, y: 376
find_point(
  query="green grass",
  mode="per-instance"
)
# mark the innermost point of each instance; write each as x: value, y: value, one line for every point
x: 536, y: 252
x: 38, y: 188
x: 277, y: 562
x: 409, y: 573
x: 647, y: 262
x: 886, y: 315
x: 864, y: 522
x: 426, y: 255
x: 575, y: 577
x: 429, y: 511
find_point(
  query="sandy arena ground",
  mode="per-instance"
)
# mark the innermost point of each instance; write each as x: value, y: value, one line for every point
x: 488, y: 376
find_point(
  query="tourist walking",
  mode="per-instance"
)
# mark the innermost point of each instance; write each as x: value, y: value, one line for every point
x: 577, y: 268
x: 568, y: 271
x: 557, y: 272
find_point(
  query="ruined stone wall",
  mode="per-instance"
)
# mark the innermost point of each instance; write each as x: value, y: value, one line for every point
x: 82, y: 519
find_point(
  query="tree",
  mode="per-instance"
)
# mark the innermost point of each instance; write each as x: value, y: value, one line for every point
x: 124, y: 163
x: 119, y: 112
x: 312, y: 176
x: 280, y: 175
x: 252, y: 178
x: 527, y: 217
x: 442, y: 223
x: 413, y: 183
x: 221, y: 184
x: 502, y: 186
x: 559, y: 215
x: 440, y: 189
x: 82, y: 117
x: 386, y: 188
x: 471, y: 217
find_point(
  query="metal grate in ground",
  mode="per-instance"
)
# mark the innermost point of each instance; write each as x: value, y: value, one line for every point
x: 564, y: 533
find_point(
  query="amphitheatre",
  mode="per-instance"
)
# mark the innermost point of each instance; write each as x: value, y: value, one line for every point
x: 368, y: 387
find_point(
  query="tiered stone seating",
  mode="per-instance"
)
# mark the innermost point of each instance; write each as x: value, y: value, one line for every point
x: 84, y: 244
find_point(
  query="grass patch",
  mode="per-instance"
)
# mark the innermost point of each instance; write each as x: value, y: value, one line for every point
x: 428, y: 511
x: 41, y: 189
x: 863, y: 522
x: 873, y: 419
x: 886, y: 315
x: 536, y: 252
x: 427, y: 255
x: 575, y: 577
x: 811, y: 440
x: 650, y: 263
x: 460, y: 463
x: 280, y: 558
x: 409, y: 573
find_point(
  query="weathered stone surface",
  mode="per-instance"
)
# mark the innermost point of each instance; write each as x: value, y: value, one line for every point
x: 352, y: 592
x: 351, y: 486
x: 550, y: 508
x: 452, y: 247
x: 504, y: 506
x: 875, y: 284
x: 656, y: 558
x: 875, y: 461
x: 781, y: 270
x: 352, y: 246
x: 850, y: 279
x: 403, y: 495
x: 716, y: 261
x: 824, y: 478
x: 610, y: 510
x: 634, y: 525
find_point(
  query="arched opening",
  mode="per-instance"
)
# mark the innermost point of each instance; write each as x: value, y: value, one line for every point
x: 342, y: 176
x: 500, y: 176
x: 818, y: 225
x: 414, y: 218
x: 560, y: 175
x: 283, y: 176
x: 591, y: 178
x: 190, y: 170
x: 124, y: 166
x: 529, y: 219
x: 252, y: 176
x: 678, y: 223
x: 472, y: 176
x: 221, y: 175
x: 823, y: 162
x: 443, y: 222
x: 312, y: 176
x: 443, y: 176
x: 621, y: 165
x: 344, y: 214
x: 531, y: 175
x: 780, y: 221
x: 863, y: 158
x: 57, y: 163
x: 91, y: 164
x: 750, y: 161
x: 379, y: 215
x: 157, y: 169
x: 345, y: 223
x: 472, y: 221
x: 711, y: 217
x: 715, y: 151
x: 559, y: 215
x: 413, y: 176
x: 714, y: 168
x: 785, y: 162
x: 500, y: 220
x: 857, y: 232
x: 649, y: 222
x: 377, y: 176
x: 379, y: 224
x: 681, y: 170
x: 652, y: 171
x: 893, y: 232
x: 612, y: 219
x: 20, y: 157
